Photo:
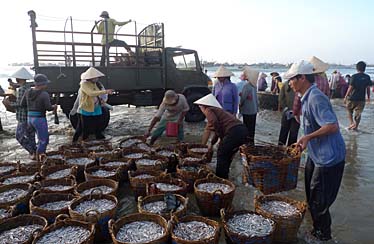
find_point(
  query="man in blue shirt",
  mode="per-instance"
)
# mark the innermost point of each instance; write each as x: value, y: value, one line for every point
x: 326, y: 148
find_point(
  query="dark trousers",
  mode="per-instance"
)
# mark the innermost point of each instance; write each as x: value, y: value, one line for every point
x: 229, y: 145
x: 249, y: 121
x: 87, y: 125
x: 114, y: 43
x: 321, y: 188
x: 289, y: 130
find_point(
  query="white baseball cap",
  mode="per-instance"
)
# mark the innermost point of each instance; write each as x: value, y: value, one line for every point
x: 301, y: 68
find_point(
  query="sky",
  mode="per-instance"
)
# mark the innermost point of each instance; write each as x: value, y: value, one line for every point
x: 240, y: 31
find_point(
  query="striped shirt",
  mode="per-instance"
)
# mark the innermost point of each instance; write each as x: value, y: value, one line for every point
x: 21, y: 112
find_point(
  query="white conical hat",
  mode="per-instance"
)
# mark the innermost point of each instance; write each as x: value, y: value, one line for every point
x: 318, y: 65
x: 208, y: 100
x: 222, y: 72
x: 251, y: 74
x: 91, y: 73
x: 301, y: 68
x: 22, y: 74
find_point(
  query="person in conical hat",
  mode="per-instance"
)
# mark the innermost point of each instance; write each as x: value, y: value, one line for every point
x: 261, y: 82
x: 320, y: 77
x: 225, y: 91
x: 225, y: 127
x: 23, y: 134
x: 248, y: 103
x: 89, y: 108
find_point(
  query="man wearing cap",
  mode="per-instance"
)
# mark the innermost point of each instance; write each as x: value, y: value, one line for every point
x: 108, y: 25
x: 173, y: 108
x: 273, y: 81
x: 326, y: 148
x: 38, y: 102
x: 227, y: 128
x: 23, y: 134
x: 225, y: 91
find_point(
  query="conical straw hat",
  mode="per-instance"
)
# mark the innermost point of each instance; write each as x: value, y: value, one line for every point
x: 222, y: 72
x: 91, y: 73
x: 22, y: 74
x: 208, y: 100
x: 251, y: 74
x: 318, y: 65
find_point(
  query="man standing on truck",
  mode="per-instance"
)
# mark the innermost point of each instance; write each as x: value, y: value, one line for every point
x: 108, y: 25
x: 172, y: 109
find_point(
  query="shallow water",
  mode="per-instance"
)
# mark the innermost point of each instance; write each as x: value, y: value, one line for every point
x: 353, y: 219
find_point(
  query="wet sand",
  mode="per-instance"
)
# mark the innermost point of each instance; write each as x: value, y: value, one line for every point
x: 353, y: 219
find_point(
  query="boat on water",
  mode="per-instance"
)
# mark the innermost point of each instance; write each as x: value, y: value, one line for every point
x: 267, y: 100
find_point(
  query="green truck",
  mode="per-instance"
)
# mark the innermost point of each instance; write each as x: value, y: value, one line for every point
x: 139, y: 78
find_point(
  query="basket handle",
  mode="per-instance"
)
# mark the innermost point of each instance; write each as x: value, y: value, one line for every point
x: 211, y: 176
x: 218, y: 192
x: 61, y: 217
x: 37, y: 185
x: 111, y: 225
x: 223, y: 215
x: 36, y: 193
x: 37, y: 176
x: 95, y: 215
x: 202, y: 172
x: 140, y: 202
x: 36, y: 233
x: 72, y: 177
x: 158, y: 162
x: 93, y: 192
x: 43, y: 158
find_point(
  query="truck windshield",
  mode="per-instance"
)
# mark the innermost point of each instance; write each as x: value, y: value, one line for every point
x: 185, y: 61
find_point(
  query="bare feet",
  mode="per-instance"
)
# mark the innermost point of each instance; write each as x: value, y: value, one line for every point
x: 352, y: 126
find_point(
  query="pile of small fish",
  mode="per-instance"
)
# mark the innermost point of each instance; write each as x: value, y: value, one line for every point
x: 212, y: 187
x: 191, y: 159
x: 59, y: 174
x: 79, y: 161
x: 167, y: 187
x: 20, y: 234
x: 96, y: 148
x: 4, y: 213
x: 12, y: 194
x: 199, y: 150
x: 56, y: 156
x: 144, y: 146
x: 165, y: 153
x: 58, y: 187
x: 103, y: 189
x: 250, y: 225
x: 193, y: 231
x: 158, y: 207
x: 134, y: 155
x: 130, y: 142
x: 58, y: 205
x: 5, y: 169
x: 144, y: 176
x: 279, y: 208
x: 145, y: 161
x: 116, y: 163
x: 103, y: 173
x: 19, y: 179
x: 190, y: 168
x: 65, y: 235
x: 101, y: 205
x: 140, y: 232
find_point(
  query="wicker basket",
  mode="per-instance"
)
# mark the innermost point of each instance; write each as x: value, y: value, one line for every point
x: 167, y: 179
x: 270, y: 168
x: 191, y: 176
x: 236, y: 238
x: 160, y: 197
x: 210, y: 204
x: 93, y: 216
x: 63, y: 221
x: 136, y: 139
x: 115, y: 226
x: 191, y: 159
x: 96, y: 183
x: 128, y: 151
x: 6, y: 212
x: 97, y: 148
x: 87, y: 144
x: 7, y: 168
x: 172, y: 159
x: 116, y: 153
x: 69, y: 182
x: 80, y: 167
x: 23, y: 220
x: 70, y: 150
x: 206, y: 155
x: 123, y: 169
x: 139, y: 185
x: 212, y: 240
x: 32, y: 177
x: 21, y: 204
x: 54, y: 158
x: 46, y: 171
x: 160, y: 164
x: 39, y: 199
x: 89, y: 176
x: 29, y: 167
x: 286, y: 226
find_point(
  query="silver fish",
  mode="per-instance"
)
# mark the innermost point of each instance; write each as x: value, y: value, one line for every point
x: 280, y: 208
x: 5, y: 169
x: 193, y: 231
x: 19, y: 234
x: 65, y: 235
x: 116, y: 163
x: 167, y: 187
x: 158, y: 207
x: 103, y: 189
x: 140, y: 232
x: 212, y: 187
x: 59, y: 174
x: 57, y: 188
x: 12, y: 194
x: 144, y: 176
x: 19, y: 179
x: 147, y: 162
x: 101, y: 205
x: 250, y: 225
x: 55, y: 205
x: 103, y: 173
x: 199, y: 150
x: 79, y: 161
x: 130, y: 142
x: 134, y: 155
x: 165, y: 153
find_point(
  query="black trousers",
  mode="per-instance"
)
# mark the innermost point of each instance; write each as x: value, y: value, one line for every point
x: 321, y: 188
x: 87, y: 125
x: 289, y: 131
x: 249, y: 121
x: 236, y: 136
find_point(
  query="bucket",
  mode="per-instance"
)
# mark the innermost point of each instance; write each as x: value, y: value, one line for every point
x: 171, y: 129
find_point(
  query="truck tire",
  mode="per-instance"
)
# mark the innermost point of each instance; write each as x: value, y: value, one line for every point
x: 194, y: 114
x: 104, y: 119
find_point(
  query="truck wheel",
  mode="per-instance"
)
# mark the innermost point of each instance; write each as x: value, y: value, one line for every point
x: 194, y: 114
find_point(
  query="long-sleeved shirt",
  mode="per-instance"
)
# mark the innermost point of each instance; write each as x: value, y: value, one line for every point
x: 111, y: 28
x: 248, y: 100
x: 37, y: 102
x: 286, y: 97
x: 227, y: 95
x: 21, y: 112
x: 220, y: 121
x: 88, y: 95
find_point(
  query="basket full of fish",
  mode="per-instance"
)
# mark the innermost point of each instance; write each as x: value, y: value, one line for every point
x: 102, y: 186
x: 285, y: 212
x: 214, y: 193
x: 102, y: 172
x: 82, y: 161
x: 58, y: 171
x: 139, y: 228
x: 151, y: 162
x: 139, y: 180
x: 123, y: 165
x: 20, y: 177
x: 62, y: 185
x: 54, y: 158
x: 167, y: 184
x: 194, y: 230
x: 190, y: 172
x: 270, y: 168
x: 16, y: 195
x: 133, y: 153
x: 7, y: 168
x: 66, y: 230
x: 242, y: 227
x: 97, y: 209
x: 170, y: 153
x: 6, y: 212
x: 131, y: 141
x: 163, y: 204
x: 50, y: 205
x: 200, y: 150
x: 21, y: 229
